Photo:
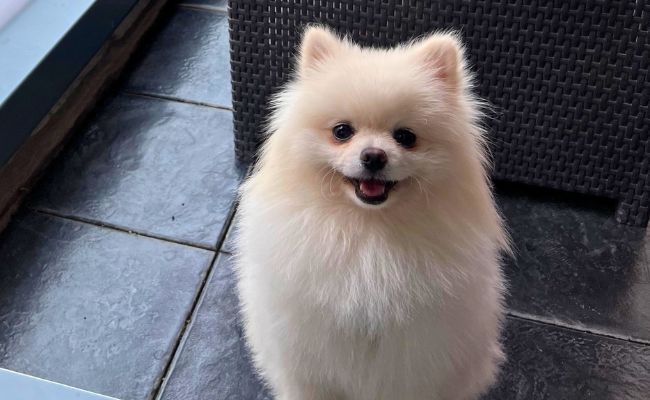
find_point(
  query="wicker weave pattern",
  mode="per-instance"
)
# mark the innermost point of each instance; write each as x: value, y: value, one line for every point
x: 569, y: 80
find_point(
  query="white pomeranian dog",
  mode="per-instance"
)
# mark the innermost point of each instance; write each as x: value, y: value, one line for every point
x: 369, y: 245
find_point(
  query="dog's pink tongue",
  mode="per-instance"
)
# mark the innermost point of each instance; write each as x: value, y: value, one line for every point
x: 372, y: 188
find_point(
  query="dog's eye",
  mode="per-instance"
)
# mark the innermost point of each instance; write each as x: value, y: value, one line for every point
x: 343, y: 131
x: 404, y: 137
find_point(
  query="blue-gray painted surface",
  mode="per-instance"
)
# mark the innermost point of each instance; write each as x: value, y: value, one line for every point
x: 16, y: 386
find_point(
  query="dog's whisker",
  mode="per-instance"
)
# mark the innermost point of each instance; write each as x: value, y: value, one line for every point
x: 425, y: 192
x: 332, y: 176
x: 331, y: 179
x: 330, y: 173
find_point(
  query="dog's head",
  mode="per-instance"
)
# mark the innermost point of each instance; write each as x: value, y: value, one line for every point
x: 376, y: 123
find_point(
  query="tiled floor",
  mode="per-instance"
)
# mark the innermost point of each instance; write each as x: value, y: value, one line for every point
x: 158, y: 167
x: 116, y: 275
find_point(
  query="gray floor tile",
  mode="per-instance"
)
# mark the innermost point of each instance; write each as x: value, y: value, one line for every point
x: 214, y: 362
x: 188, y: 59
x: 575, y: 264
x: 229, y: 242
x: 159, y: 167
x: 93, y: 308
x: 547, y: 362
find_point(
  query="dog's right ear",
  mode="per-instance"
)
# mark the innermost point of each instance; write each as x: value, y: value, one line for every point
x: 442, y: 55
x: 318, y: 45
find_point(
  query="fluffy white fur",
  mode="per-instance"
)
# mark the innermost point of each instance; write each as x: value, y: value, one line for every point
x: 344, y: 300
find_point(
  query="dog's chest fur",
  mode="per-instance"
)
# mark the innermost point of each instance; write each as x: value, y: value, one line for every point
x: 369, y: 303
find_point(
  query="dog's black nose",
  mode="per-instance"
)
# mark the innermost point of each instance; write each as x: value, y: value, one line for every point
x: 373, y: 159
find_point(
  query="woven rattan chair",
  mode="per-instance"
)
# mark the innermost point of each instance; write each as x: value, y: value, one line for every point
x: 569, y: 80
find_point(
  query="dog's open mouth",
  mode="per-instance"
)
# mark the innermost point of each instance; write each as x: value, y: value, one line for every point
x: 372, y: 191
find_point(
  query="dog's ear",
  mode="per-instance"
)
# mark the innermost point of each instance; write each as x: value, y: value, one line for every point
x: 318, y: 45
x: 442, y: 54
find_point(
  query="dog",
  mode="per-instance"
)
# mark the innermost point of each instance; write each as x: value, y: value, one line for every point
x: 369, y: 244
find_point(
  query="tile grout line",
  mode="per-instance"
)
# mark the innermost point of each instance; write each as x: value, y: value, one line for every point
x: 202, y: 7
x: 158, y: 392
x: 559, y: 324
x: 118, y: 228
x: 147, y: 95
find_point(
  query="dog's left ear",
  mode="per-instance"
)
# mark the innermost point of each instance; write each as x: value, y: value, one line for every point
x: 319, y: 44
x: 442, y: 54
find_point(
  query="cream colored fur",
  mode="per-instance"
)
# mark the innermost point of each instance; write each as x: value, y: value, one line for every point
x: 344, y: 300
